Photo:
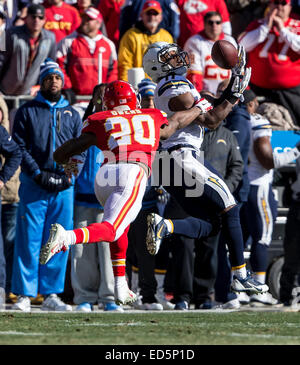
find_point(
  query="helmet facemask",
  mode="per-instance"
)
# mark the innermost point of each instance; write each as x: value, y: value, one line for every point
x: 173, y: 59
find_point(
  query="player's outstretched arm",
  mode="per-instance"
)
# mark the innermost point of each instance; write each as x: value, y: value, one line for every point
x: 211, y: 118
x: 74, y: 146
x: 231, y: 95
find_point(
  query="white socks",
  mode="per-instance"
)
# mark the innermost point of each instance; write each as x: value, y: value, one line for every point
x: 240, y: 272
x: 120, y: 281
x: 70, y: 238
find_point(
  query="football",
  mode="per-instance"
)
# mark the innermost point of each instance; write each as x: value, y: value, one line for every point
x: 224, y: 54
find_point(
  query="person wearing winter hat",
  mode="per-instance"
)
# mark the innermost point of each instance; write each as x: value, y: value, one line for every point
x: 46, y: 193
x: 50, y: 67
x: 146, y: 90
x: 50, y: 70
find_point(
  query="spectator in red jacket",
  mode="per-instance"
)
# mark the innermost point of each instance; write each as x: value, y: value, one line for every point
x: 87, y: 57
x: 192, y: 17
x: 62, y: 19
x: 273, y: 47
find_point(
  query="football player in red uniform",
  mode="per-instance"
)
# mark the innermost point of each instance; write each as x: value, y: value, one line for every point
x: 129, y: 138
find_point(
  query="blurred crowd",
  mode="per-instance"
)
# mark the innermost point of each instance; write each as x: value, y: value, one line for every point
x: 56, y: 57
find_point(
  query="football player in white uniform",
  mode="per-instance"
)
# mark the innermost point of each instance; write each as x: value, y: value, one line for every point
x: 167, y: 65
x: 261, y: 207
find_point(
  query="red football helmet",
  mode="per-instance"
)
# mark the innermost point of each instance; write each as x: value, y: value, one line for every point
x: 119, y: 93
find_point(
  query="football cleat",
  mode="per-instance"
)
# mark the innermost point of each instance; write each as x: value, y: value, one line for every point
x: 156, y: 231
x: 265, y: 299
x: 56, y: 243
x: 249, y: 285
x: 123, y: 295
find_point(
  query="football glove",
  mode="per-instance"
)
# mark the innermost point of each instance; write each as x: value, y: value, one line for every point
x: 240, y: 84
x: 203, y: 105
x: 239, y: 68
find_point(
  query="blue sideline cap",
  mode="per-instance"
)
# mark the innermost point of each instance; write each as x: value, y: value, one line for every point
x: 146, y: 87
x: 50, y: 67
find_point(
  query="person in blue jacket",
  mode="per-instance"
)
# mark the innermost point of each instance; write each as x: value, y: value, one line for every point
x: 46, y: 193
x: 12, y: 154
x: 131, y: 10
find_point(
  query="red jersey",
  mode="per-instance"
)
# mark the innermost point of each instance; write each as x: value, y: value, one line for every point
x: 132, y: 135
x: 192, y: 16
x: 62, y: 20
x: 274, y: 61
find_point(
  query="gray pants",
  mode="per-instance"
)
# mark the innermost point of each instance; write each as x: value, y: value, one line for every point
x: 91, y: 268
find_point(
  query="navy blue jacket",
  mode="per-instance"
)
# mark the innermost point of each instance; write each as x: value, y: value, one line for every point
x: 40, y: 128
x: 131, y: 11
x: 238, y: 121
x: 12, y: 153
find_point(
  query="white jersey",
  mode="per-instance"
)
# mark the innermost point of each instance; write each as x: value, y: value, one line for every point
x: 199, y: 50
x: 168, y: 88
x: 260, y: 127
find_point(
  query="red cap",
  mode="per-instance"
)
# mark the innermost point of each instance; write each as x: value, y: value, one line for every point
x: 152, y: 5
x: 94, y: 14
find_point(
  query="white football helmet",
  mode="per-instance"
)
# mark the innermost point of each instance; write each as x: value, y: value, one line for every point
x: 163, y: 58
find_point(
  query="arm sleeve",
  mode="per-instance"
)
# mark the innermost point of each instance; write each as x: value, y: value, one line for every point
x: 292, y: 39
x: 250, y: 39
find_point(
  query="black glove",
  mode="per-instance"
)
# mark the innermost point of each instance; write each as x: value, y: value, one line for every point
x: 52, y: 182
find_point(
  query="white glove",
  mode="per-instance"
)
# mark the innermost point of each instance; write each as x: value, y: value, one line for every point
x: 239, y: 68
x: 74, y: 166
x: 203, y: 105
x: 240, y: 84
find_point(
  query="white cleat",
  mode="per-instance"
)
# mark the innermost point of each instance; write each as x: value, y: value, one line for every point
x: 262, y: 300
x: 123, y: 295
x: 249, y: 285
x: 56, y: 243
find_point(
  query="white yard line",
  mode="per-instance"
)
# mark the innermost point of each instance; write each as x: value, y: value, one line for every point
x: 16, y: 333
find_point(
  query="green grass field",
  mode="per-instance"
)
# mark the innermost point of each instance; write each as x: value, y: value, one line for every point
x: 163, y: 328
